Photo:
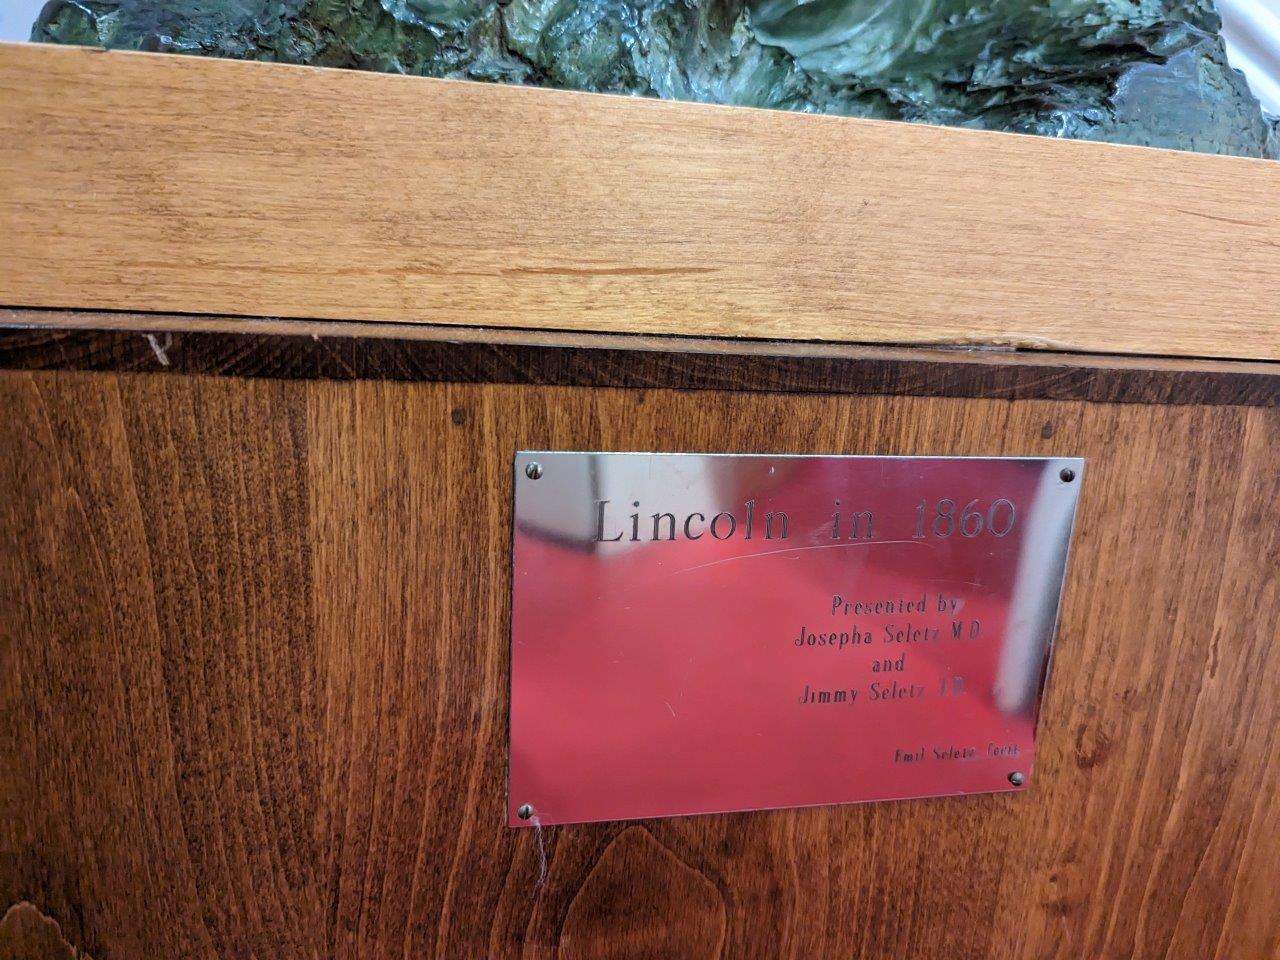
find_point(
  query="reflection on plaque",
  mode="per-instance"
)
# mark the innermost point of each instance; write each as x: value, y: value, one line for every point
x: 708, y: 633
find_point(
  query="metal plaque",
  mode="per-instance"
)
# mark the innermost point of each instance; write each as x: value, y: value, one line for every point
x: 708, y: 633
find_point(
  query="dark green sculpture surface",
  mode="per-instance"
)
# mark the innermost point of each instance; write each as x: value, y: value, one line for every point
x: 1149, y: 72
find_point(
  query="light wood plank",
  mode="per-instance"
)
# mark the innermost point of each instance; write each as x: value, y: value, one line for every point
x: 148, y: 182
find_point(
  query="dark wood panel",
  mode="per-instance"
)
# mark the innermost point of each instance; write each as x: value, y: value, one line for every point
x: 327, y: 351
x: 27, y: 934
x: 159, y: 701
x: 255, y: 686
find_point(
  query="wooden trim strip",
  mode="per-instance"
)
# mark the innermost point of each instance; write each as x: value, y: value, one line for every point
x: 158, y: 182
x: 334, y: 351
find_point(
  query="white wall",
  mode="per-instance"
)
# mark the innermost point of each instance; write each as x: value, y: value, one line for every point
x: 1252, y: 31
x: 16, y: 18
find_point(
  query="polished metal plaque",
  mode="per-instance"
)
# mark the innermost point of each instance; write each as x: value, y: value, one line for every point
x: 707, y: 633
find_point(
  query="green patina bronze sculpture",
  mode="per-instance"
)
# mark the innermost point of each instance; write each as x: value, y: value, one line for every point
x: 1149, y: 72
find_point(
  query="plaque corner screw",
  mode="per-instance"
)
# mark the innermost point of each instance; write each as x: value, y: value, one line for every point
x: 525, y: 810
x: 1067, y: 475
x: 1017, y: 778
x: 533, y: 470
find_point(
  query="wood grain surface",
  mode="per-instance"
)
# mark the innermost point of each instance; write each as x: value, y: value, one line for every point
x: 254, y: 690
x: 296, y: 349
x: 157, y: 182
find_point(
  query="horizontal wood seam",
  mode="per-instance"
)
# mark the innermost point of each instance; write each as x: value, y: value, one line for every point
x: 295, y: 350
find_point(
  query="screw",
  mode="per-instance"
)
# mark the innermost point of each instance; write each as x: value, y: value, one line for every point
x: 1017, y: 779
x: 533, y: 470
x: 526, y: 809
x: 1067, y: 475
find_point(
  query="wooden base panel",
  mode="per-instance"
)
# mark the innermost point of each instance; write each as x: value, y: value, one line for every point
x: 254, y: 688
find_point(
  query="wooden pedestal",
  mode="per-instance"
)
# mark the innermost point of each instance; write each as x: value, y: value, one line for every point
x: 254, y: 566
